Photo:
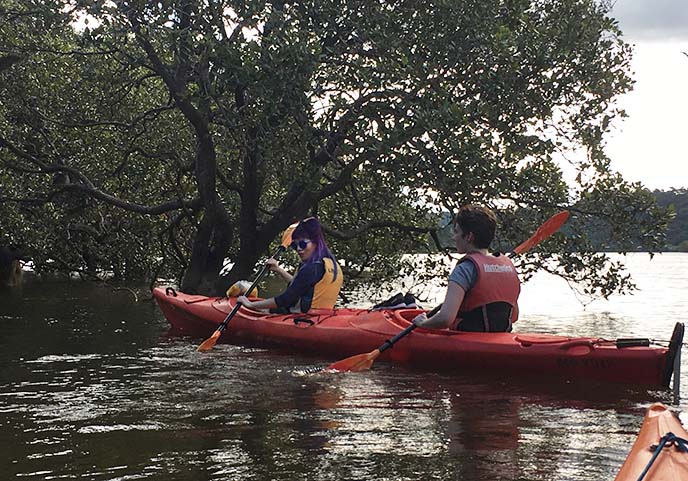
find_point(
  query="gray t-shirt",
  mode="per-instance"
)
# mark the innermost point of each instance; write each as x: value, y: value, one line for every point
x: 464, y: 274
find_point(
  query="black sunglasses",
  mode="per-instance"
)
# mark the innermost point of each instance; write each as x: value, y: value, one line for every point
x: 302, y: 244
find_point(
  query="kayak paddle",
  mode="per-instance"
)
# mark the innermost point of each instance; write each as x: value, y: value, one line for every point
x: 209, y: 343
x: 362, y: 362
x: 550, y: 226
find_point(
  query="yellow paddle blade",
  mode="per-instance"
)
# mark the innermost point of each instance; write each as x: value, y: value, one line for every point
x: 359, y: 362
x: 209, y: 343
x: 286, y: 236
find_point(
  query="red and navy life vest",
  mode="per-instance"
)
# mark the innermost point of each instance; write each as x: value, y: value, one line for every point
x: 497, y: 282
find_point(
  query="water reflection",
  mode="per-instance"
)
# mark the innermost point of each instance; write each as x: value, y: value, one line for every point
x: 461, y: 429
x: 92, y: 388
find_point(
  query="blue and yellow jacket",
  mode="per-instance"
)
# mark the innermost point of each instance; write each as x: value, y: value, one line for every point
x: 314, y: 287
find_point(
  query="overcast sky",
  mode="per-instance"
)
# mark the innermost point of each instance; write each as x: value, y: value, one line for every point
x: 650, y: 145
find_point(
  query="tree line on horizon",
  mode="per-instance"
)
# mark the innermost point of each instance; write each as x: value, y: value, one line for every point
x: 674, y: 200
x: 677, y: 232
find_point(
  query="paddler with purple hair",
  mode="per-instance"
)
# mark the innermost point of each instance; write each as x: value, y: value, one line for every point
x: 317, y: 280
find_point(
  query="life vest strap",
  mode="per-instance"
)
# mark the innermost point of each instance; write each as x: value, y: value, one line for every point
x: 493, y: 317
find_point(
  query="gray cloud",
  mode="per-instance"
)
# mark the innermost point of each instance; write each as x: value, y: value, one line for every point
x: 652, y: 19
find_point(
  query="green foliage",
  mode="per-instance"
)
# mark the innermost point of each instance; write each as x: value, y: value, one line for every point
x: 165, y: 137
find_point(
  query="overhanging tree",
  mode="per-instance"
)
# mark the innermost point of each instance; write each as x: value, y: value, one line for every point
x: 215, y: 124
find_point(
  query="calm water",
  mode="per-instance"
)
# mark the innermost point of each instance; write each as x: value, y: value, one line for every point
x: 92, y: 388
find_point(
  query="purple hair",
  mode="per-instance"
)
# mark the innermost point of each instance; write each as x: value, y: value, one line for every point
x: 310, y: 229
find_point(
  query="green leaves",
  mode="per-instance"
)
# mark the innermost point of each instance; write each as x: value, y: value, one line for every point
x: 252, y: 114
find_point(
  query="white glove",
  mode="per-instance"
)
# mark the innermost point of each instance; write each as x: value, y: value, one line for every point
x: 420, y: 319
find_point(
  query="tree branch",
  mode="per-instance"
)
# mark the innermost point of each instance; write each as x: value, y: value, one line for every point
x: 380, y: 224
x: 87, y: 187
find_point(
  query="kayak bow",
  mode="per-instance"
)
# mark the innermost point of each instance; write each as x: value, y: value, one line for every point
x: 660, y: 453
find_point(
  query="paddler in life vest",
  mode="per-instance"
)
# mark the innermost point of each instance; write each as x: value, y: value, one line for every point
x: 483, y: 289
x: 317, y: 280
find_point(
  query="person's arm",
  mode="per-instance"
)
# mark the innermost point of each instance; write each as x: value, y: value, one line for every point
x: 307, y: 276
x: 461, y: 280
x: 256, y: 305
x: 515, y: 313
x: 275, y: 267
x: 448, y: 312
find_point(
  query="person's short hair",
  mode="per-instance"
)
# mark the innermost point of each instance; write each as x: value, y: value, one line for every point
x: 479, y: 220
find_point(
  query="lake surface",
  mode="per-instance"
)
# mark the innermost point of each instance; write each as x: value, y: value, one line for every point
x: 92, y: 387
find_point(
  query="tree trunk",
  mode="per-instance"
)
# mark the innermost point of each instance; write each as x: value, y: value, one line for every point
x: 11, y: 273
x: 210, y: 247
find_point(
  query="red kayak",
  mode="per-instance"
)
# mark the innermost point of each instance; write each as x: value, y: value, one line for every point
x: 339, y: 333
x: 660, y: 453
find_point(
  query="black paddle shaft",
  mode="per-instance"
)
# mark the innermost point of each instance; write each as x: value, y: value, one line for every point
x: 390, y: 342
x: 260, y: 276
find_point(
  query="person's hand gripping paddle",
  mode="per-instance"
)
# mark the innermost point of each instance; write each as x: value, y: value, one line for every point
x: 209, y: 343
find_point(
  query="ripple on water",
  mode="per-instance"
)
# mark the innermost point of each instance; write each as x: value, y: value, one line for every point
x: 48, y: 455
x: 121, y: 427
x: 64, y: 358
